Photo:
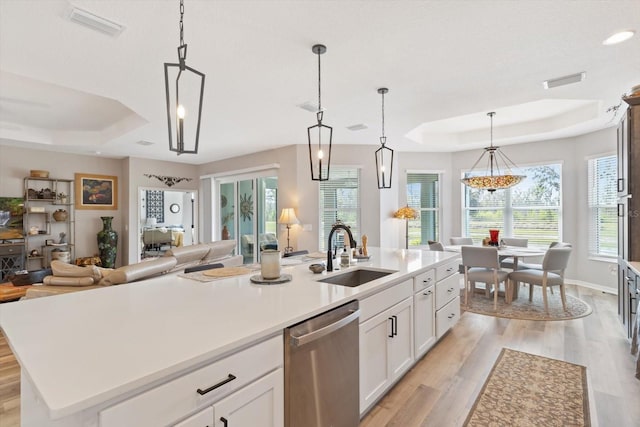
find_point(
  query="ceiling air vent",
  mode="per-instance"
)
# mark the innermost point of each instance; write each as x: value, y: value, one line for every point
x: 95, y: 22
x: 145, y: 143
x: 566, y: 80
x: 359, y: 126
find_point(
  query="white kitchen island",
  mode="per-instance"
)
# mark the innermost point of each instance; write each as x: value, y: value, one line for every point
x: 83, y: 353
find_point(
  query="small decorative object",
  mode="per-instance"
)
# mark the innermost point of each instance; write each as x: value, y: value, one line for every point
x: 96, y: 191
x: 317, y: 268
x: 32, y: 194
x: 36, y: 173
x: 246, y: 207
x: 270, y: 264
x: 364, y: 245
x: 62, y: 198
x: 225, y: 233
x: 493, y: 237
x: 89, y: 260
x: 63, y: 238
x: 33, y: 230
x: 34, y: 253
x: 60, y: 215
x: 28, y: 278
x: 169, y: 181
x: 262, y: 281
x: 60, y: 255
x: 46, y: 193
x: 107, y: 243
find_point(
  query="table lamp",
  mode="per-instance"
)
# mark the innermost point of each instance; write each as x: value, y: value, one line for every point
x: 406, y: 213
x: 288, y: 217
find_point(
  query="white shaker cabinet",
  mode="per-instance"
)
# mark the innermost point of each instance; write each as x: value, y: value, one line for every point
x: 386, y: 350
x: 203, y: 418
x: 447, y: 297
x: 423, y: 312
x: 260, y: 403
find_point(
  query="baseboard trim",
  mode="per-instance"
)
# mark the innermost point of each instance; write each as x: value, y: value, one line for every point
x: 606, y: 289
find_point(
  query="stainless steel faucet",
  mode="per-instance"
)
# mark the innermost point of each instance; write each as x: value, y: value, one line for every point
x: 330, y: 250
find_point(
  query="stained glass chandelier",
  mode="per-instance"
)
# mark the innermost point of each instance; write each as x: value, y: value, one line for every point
x: 499, y: 166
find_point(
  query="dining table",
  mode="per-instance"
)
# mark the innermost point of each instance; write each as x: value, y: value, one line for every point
x: 515, y: 252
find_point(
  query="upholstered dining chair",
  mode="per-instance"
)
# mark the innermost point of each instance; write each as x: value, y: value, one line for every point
x: 436, y: 246
x: 508, y: 262
x: 535, y: 266
x: 461, y: 240
x: 481, y: 265
x: 552, y: 274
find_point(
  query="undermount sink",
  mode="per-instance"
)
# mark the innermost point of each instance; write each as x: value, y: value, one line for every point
x: 357, y: 277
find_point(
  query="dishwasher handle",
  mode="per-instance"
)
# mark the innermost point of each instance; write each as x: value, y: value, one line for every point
x: 300, y: 340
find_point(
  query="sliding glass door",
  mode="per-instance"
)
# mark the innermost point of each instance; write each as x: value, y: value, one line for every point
x: 247, y: 210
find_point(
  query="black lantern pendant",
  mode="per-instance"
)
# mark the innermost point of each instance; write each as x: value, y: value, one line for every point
x: 384, y: 154
x: 184, y: 101
x: 319, y: 135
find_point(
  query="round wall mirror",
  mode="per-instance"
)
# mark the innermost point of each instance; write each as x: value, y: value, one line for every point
x: 174, y: 208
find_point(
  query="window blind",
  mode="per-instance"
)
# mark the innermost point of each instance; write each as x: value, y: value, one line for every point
x: 423, y: 195
x: 603, y: 219
x: 531, y: 209
x: 340, y: 200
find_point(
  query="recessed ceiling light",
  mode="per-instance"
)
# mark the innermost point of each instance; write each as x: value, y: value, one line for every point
x: 565, y: 80
x: 95, y: 22
x: 98, y: 152
x: 359, y: 126
x: 619, y: 37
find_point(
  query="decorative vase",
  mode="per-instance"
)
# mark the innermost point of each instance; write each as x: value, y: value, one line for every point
x: 225, y: 233
x: 60, y: 215
x: 107, y: 243
x: 493, y: 234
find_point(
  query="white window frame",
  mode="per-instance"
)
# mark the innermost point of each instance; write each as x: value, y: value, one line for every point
x: 507, y: 229
x: 437, y: 209
x: 322, y: 240
x: 594, y: 251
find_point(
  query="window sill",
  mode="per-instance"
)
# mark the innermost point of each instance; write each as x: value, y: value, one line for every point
x: 603, y: 259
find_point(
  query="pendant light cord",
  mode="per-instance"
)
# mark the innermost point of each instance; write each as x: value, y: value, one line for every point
x: 181, y: 22
x: 319, y: 86
x: 383, y: 116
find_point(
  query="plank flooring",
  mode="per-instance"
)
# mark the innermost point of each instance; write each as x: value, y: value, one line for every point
x: 442, y: 387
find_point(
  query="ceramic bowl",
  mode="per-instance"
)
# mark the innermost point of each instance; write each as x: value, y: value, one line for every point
x: 317, y: 268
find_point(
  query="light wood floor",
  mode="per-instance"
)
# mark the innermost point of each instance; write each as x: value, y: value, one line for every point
x: 441, y: 388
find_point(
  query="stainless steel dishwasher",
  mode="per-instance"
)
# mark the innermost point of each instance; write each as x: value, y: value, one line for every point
x: 321, y: 370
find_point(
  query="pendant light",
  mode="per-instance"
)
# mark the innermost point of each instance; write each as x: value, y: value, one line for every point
x: 384, y: 154
x: 500, y: 176
x: 319, y: 134
x: 184, y: 87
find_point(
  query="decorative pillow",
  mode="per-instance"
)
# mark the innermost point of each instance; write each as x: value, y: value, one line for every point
x: 62, y: 269
x: 219, y: 249
x: 68, y: 281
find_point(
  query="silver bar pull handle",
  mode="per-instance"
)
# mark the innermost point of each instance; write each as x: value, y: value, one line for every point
x: 301, y: 340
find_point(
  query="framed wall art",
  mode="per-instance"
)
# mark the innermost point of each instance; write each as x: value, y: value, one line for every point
x: 96, y: 191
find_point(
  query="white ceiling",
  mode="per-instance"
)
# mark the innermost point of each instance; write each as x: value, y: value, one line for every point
x: 447, y: 63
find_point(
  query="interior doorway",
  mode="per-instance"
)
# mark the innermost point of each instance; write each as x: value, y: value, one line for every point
x: 166, y: 219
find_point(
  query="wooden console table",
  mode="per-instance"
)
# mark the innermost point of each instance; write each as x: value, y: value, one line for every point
x: 8, y: 292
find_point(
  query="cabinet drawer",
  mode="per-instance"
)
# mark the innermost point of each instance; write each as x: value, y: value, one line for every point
x: 11, y: 249
x: 446, y: 290
x: 424, y: 280
x: 447, y: 317
x: 446, y: 270
x: 172, y: 400
x: 381, y: 301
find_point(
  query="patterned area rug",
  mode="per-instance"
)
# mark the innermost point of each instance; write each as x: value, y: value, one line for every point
x: 521, y: 308
x: 528, y: 390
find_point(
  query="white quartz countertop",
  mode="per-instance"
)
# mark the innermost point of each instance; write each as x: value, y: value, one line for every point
x: 84, y: 348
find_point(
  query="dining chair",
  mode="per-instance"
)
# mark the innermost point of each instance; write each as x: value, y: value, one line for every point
x: 508, y: 262
x: 481, y: 265
x: 535, y: 266
x: 436, y: 246
x: 461, y: 240
x: 552, y: 274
